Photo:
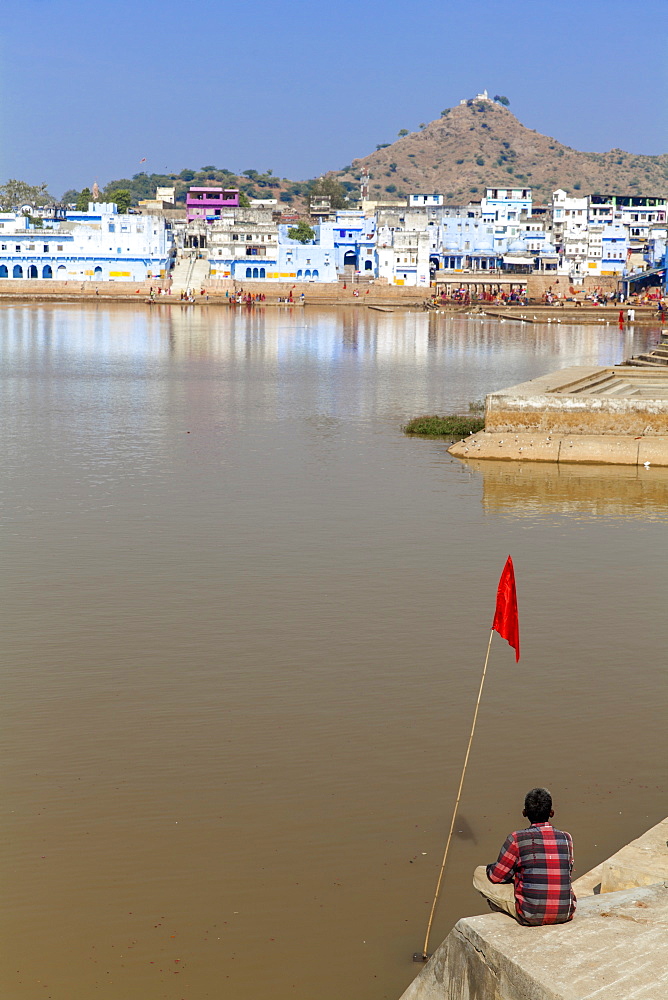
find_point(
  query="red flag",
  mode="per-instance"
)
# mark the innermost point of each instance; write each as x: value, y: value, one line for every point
x: 506, y: 621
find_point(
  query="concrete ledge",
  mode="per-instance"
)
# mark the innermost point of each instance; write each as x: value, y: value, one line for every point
x: 586, y: 414
x: 602, y: 449
x: 595, y: 449
x: 642, y: 862
x: 646, y: 856
x: 619, y: 400
x: 616, y: 948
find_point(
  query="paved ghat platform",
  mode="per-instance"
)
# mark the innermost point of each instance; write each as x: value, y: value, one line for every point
x: 615, y: 415
x: 616, y: 947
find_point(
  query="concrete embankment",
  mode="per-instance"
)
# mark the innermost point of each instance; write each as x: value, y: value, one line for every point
x: 569, y: 314
x: 614, y: 415
x: 213, y: 292
x: 362, y: 294
x: 615, y: 948
x: 80, y: 291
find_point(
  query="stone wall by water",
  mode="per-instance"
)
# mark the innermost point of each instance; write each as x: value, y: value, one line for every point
x: 615, y: 948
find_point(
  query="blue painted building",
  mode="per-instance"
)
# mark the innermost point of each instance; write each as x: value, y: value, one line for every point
x: 97, y: 245
x: 314, y: 261
x: 354, y: 238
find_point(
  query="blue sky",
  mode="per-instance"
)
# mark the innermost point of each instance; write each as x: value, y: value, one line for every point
x: 88, y: 90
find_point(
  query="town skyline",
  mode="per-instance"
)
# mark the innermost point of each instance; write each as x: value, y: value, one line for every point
x: 136, y: 100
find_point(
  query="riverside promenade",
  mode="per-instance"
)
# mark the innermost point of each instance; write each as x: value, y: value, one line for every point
x: 387, y: 296
x: 615, y: 948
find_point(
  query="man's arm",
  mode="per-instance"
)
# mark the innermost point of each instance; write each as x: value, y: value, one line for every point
x: 504, y: 867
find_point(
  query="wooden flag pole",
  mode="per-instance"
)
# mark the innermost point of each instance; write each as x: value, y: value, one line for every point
x: 424, y: 954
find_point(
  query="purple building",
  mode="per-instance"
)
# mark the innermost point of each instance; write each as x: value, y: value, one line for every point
x: 205, y: 203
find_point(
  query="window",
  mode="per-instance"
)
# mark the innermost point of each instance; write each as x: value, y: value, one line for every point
x: 235, y: 236
x: 31, y: 246
x: 60, y: 247
x: 46, y: 248
x: 18, y: 248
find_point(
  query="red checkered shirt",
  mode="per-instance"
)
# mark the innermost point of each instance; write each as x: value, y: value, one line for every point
x: 539, y: 860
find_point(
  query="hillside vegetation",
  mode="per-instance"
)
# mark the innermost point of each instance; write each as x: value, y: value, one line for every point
x: 482, y: 144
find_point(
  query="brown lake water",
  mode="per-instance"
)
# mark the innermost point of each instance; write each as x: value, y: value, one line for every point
x: 244, y: 620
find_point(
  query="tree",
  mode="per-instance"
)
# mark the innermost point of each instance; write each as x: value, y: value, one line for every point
x: 187, y: 175
x: 328, y: 187
x: 402, y: 132
x: 393, y: 168
x: 69, y: 197
x: 82, y: 200
x: 500, y: 99
x: 302, y: 232
x: 121, y: 198
x: 14, y: 194
x: 244, y: 200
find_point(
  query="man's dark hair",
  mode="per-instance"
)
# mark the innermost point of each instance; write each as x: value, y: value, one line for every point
x: 538, y: 805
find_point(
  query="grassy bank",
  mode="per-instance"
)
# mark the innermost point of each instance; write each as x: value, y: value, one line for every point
x: 453, y: 426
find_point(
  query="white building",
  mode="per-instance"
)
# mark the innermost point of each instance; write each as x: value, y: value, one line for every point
x: 425, y: 200
x: 403, y: 257
x: 504, y: 207
x: 315, y: 261
x: 243, y: 245
x: 97, y: 245
x: 246, y: 244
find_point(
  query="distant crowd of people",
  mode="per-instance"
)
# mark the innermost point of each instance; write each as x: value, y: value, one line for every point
x: 552, y: 297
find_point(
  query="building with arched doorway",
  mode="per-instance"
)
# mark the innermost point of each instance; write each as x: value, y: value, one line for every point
x: 243, y: 246
x: 312, y: 261
x: 95, y: 245
x: 353, y: 236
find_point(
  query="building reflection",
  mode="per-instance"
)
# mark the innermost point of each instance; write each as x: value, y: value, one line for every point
x: 537, y: 489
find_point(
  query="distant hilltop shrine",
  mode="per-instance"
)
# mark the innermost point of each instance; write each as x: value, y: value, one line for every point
x: 478, y: 97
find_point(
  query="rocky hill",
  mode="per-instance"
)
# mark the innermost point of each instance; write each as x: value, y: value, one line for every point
x: 482, y: 144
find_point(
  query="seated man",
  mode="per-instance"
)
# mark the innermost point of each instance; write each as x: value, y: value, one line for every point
x: 538, y: 861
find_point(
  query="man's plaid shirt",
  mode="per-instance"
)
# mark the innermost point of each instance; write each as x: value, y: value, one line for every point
x: 539, y: 860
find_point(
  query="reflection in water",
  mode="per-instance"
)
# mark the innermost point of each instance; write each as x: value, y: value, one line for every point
x: 243, y: 626
x: 535, y: 489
